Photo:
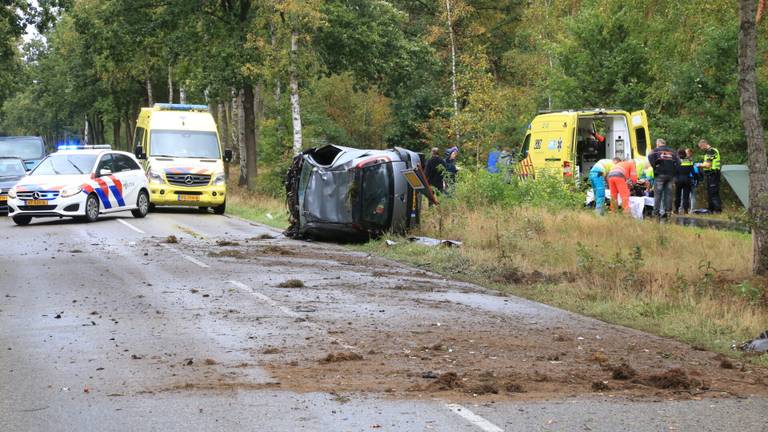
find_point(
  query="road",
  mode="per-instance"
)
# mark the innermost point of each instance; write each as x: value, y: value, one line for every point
x: 184, y: 321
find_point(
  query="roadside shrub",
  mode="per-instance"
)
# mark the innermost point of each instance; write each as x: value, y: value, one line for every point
x: 270, y: 183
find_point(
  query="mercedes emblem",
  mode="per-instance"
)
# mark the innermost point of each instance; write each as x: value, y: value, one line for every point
x: 188, y: 180
x: 35, y: 195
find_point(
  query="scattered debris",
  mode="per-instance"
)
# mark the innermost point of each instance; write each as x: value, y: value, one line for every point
x: 390, y: 242
x: 600, y: 386
x: 305, y: 309
x: 484, y: 388
x: 58, y: 315
x: 623, y: 372
x: 341, y: 357
x: 75, y: 251
x: 513, y: 387
x: 278, y: 250
x: 211, y: 362
x: 262, y: 237
x: 136, y: 357
x: 598, y: 357
x: 171, y: 239
x: 449, y: 381
x: 340, y: 398
x: 674, y: 379
x: 429, y: 375
x: 759, y: 344
x: 291, y: 283
x: 271, y: 350
x: 429, y: 241
x: 188, y: 362
x: 228, y: 253
x: 224, y: 243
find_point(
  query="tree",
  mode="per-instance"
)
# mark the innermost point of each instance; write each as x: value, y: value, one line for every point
x: 750, y: 114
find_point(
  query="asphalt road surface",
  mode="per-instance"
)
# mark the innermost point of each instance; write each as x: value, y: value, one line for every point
x: 114, y: 326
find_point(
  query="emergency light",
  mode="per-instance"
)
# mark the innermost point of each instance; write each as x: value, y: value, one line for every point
x: 180, y: 107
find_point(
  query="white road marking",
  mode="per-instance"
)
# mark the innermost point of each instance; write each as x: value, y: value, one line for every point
x: 186, y: 257
x: 473, y: 418
x: 131, y: 226
x: 289, y: 312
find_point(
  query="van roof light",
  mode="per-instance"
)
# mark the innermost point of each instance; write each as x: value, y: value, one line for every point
x: 180, y: 107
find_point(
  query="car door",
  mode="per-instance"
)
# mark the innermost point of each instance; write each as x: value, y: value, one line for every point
x: 126, y: 179
x: 105, y: 186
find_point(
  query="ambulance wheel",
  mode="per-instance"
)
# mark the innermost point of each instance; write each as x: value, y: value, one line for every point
x: 220, y: 209
x: 22, y: 220
x: 142, y: 205
x: 91, y: 208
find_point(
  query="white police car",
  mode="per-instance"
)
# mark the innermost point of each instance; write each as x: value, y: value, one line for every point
x: 82, y: 183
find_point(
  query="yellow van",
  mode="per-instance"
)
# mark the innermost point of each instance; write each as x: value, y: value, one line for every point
x: 182, y: 155
x: 571, y: 142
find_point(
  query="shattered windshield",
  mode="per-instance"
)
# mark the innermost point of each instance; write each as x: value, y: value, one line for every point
x: 375, y: 200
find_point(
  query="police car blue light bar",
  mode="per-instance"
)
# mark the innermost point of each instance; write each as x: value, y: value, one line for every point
x: 181, y: 107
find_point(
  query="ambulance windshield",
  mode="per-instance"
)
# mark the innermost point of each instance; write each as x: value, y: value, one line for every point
x: 184, y: 144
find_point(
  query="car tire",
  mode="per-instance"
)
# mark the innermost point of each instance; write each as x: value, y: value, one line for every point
x: 220, y: 209
x: 142, y: 205
x: 22, y: 220
x: 202, y: 209
x: 91, y: 208
x: 152, y: 207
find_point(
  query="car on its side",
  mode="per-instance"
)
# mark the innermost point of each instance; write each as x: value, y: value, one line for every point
x: 30, y: 149
x: 81, y: 183
x: 11, y: 171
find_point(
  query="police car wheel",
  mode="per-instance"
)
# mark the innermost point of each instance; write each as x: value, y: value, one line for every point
x: 91, y: 208
x: 220, y: 209
x: 142, y: 205
x: 22, y: 220
x: 152, y: 207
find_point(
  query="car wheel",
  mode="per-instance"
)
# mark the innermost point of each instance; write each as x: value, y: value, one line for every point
x: 152, y: 207
x: 142, y: 205
x: 202, y: 209
x: 220, y: 209
x: 22, y: 220
x: 91, y: 208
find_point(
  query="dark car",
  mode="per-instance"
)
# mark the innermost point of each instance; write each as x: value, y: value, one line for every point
x: 346, y: 194
x: 11, y: 171
x: 30, y: 149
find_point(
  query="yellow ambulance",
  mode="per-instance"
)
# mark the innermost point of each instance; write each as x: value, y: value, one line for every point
x: 569, y: 143
x: 182, y: 155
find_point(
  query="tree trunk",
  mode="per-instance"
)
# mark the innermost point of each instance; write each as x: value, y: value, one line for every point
x: 295, y: 101
x: 249, y: 126
x: 116, y: 133
x: 170, y: 84
x: 454, y: 90
x: 182, y: 94
x: 239, y: 112
x: 750, y: 115
x: 128, y: 134
x: 150, y: 97
x: 278, y: 94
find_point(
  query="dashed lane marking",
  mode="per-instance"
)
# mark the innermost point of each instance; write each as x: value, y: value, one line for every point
x: 131, y: 226
x: 186, y: 257
x: 289, y: 313
x: 473, y: 418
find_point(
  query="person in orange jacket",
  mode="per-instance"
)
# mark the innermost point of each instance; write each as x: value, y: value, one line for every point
x: 619, y: 178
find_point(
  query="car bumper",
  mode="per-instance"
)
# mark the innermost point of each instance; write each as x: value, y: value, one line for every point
x: 169, y: 195
x: 67, y: 207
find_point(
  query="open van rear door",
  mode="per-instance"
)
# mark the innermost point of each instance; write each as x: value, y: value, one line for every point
x: 641, y: 136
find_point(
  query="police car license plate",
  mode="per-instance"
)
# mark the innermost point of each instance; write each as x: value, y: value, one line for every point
x: 3, y: 198
x: 37, y: 202
x: 189, y: 198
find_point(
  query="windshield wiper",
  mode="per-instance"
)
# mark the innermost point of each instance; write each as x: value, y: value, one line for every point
x: 163, y: 155
x: 73, y: 164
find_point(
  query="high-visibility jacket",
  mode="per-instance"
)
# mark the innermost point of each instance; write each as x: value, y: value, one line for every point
x: 603, y: 166
x: 712, y: 156
x: 626, y: 169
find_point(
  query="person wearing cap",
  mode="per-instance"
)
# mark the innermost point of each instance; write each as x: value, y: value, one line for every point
x: 711, y: 169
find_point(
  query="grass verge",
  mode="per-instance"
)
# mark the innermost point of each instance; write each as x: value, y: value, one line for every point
x: 259, y: 208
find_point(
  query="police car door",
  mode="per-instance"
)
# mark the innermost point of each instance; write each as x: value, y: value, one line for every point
x: 129, y: 174
x: 107, y: 186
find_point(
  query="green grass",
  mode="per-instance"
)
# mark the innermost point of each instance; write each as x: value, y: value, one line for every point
x: 259, y: 215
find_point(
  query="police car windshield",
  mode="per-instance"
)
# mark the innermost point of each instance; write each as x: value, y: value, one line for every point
x: 184, y: 144
x: 11, y: 168
x: 65, y: 164
x: 25, y: 148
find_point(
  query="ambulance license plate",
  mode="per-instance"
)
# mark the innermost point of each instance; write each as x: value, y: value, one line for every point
x: 37, y: 202
x: 189, y: 198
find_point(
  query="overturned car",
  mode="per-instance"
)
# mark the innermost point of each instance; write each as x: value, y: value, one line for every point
x: 346, y: 194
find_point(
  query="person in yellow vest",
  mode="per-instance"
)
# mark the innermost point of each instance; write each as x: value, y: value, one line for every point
x: 711, y: 169
x: 597, y: 177
x: 683, y: 182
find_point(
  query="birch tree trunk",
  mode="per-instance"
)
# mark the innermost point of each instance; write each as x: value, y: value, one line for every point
x: 753, y: 127
x: 295, y: 101
x: 182, y: 94
x: 150, y: 98
x: 243, y: 178
x: 170, y: 84
x: 454, y: 90
x: 249, y: 128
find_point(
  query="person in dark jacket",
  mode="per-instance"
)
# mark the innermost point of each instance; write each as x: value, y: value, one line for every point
x: 450, y: 164
x: 684, y: 182
x: 434, y: 170
x: 665, y: 162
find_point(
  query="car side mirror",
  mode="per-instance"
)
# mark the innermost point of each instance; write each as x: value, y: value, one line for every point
x: 139, y: 152
x: 105, y: 172
x: 228, y: 155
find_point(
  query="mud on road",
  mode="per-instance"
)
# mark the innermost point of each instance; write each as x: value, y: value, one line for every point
x: 370, y: 325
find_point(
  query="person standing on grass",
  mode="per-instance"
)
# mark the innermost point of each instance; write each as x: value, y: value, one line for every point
x: 711, y: 168
x: 665, y: 162
x: 450, y: 164
x: 683, y: 182
x: 696, y: 178
x: 597, y: 177
x: 493, y: 160
x: 619, y: 178
x: 434, y: 170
